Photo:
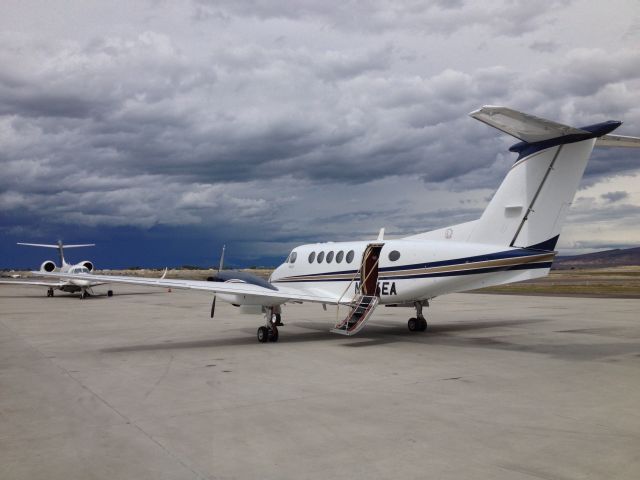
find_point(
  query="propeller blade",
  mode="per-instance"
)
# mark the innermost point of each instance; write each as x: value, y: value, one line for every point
x: 213, y: 306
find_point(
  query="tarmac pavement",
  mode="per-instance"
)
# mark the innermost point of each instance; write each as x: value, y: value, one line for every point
x: 144, y: 385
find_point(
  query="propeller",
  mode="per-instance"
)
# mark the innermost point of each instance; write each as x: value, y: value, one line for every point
x: 213, y: 304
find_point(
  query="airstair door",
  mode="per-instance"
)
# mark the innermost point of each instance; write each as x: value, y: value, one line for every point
x: 367, y: 297
x: 369, y: 270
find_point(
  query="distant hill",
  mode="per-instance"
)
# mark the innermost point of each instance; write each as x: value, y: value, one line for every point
x: 609, y: 258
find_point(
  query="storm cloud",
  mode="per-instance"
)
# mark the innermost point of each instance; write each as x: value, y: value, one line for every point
x: 270, y: 123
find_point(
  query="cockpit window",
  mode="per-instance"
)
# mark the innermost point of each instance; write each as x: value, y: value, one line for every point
x: 293, y: 257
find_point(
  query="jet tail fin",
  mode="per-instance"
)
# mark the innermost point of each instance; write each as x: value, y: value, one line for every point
x: 60, y: 246
x: 530, y: 206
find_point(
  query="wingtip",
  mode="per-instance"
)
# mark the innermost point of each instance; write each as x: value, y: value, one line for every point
x: 489, y: 109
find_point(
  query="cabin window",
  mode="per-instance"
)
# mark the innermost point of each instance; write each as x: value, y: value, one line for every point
x: 320, y: 257
x: 312, y: 257
x: 330, y: 257
x: 339, y: 256
x: 293, y: 257
x: 350, y: 256
x: 394, y: 255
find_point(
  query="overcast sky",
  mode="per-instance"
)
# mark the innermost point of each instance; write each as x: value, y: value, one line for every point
x: 162, y: 129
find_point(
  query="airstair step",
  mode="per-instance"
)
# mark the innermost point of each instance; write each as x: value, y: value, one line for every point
x: 360, y: 312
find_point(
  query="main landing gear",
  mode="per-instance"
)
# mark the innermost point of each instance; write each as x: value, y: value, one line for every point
x: 418, y: 324
x: 269, y: 332
x: 50, y: 292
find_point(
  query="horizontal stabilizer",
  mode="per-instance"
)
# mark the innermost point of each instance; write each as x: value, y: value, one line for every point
x: 527, y: 128
x: 56, y: 246
x: 618, y: 141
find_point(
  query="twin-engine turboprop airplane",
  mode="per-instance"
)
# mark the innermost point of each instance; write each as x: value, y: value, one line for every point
x: 70, y: 285
x: 513, y: 240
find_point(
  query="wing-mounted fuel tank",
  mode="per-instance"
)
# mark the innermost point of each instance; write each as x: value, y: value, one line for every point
x: 48, y: 266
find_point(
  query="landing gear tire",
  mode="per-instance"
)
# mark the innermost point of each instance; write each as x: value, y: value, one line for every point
x: 273, y: 334
x: 418, y: 324
x: 413, y: 324
x: 50, y: 292
x: 422, y: 324
x: 267, y: 334
x: 263, y: 334
x: 109, y: 293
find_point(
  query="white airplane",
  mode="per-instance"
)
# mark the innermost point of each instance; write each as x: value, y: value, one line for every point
x: 513, y: 240
x: 70, y: 285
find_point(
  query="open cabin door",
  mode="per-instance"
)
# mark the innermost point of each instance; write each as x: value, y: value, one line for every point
x: 369, y: 270
x: 367, y: 295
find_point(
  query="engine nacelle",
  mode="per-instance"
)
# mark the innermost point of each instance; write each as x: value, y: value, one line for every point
x: 88, y: 265
x: 48, y: 266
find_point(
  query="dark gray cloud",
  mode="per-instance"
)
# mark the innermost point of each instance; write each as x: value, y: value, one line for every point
x: 510, y: 18
x: 262, y: 117
x: 615, y: 196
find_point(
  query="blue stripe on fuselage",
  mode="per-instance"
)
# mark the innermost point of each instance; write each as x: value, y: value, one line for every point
x: 420, y: 267
x: 523, y: 252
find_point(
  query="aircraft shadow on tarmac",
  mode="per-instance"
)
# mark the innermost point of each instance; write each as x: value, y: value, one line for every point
x: 451, y: 335
x: 376, y: 334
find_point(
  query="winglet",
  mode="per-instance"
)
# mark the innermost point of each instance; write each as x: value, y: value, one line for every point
x: 381, y: 235
x: 164, y: 274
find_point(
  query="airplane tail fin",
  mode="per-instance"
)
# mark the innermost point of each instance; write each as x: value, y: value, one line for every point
x: 60, y: 246
x: 529, y: 207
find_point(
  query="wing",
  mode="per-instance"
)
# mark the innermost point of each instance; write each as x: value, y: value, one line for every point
x: 522, y: 125
x: 52, y: 284
x: 34, y: 283
x: 251, y: 293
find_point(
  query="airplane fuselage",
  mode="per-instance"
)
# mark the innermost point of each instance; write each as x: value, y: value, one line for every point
x: 410, y: 270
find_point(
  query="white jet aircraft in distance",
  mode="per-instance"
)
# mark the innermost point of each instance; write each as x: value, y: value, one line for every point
x: 69, y: 285
x: 513, y: 240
